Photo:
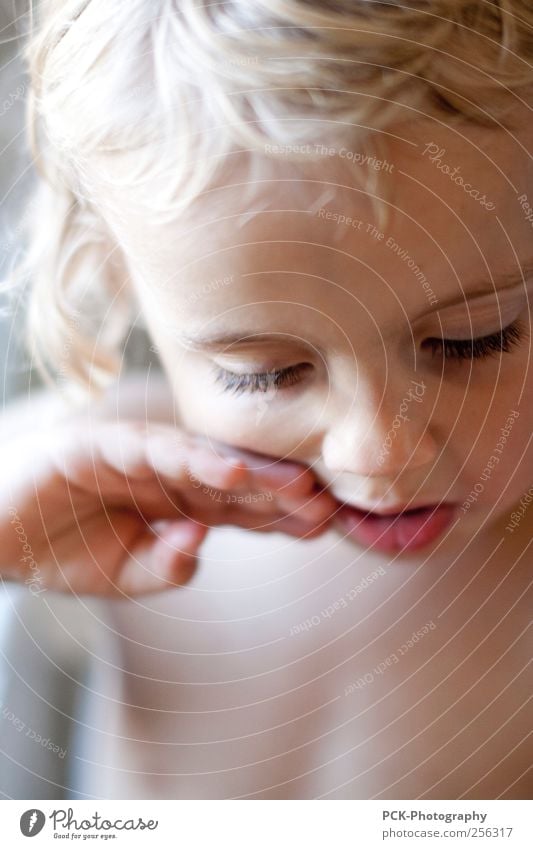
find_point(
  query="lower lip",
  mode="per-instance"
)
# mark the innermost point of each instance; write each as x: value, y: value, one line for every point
x: 399, y: 532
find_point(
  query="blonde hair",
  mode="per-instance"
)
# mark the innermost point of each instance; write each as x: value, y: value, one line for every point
x: 181, y: 84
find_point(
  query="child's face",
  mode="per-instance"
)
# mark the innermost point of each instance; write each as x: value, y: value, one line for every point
x: 379, y: 413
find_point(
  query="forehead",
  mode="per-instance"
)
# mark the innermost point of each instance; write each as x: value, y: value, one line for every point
x: 454, y: 197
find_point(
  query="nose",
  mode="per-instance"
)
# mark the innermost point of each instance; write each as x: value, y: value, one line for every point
x: 381, y: 435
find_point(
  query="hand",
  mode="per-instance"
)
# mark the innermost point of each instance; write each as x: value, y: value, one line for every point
x: 121, y: 508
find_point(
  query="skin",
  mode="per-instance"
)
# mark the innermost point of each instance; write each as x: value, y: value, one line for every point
x: 338, y: 299
x: 100, y: 501
x: 449, y: 719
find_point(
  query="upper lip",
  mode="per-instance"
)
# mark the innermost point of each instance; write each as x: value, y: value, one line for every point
x: 392, y: 511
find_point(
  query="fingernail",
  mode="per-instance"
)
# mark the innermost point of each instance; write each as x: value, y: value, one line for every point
x: 235, y: 461
x: 183, y: 535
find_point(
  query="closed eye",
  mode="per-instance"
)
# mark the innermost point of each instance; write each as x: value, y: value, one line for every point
x: 504, y: 341
x: 261, y: 381
x: 483, y: 346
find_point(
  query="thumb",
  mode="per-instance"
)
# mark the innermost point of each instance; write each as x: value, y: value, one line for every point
x: 163, y: 557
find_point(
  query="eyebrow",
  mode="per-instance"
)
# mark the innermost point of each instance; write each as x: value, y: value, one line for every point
x: 500, y: 283
x: 216, y: 341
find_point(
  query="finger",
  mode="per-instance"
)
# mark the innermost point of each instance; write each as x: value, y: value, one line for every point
x: 164, y: 558
x: 266, y: 471
x: 295, y: 526
x: 312, y: 508
x: 299, y: 528
x: 112, y: 453
x: 179, y: 459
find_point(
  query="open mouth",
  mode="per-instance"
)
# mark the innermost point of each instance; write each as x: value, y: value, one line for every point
x: 407, y: 530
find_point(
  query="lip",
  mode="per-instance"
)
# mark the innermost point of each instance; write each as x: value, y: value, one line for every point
x: 396, y: 530
x: 391, y: 511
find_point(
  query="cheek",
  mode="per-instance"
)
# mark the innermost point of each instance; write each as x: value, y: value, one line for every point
x: 472, y: 405
x: 500, y: 467
x: 261, y: 422
x: 251, y: 423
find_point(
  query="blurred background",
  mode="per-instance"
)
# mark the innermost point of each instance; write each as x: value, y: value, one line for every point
x: 16, y: 177
x: 46, y: 641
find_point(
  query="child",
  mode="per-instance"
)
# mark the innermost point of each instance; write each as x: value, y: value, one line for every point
x: 312, y: 526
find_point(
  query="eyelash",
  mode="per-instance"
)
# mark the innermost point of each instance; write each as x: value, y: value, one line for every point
x: 453, y: 349
x: 484, y: 346
x: 260, y: 381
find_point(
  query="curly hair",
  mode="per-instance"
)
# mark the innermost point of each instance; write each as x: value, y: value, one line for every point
x: 174, y: 87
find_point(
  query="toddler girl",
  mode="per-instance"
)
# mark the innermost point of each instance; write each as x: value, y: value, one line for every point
x: 307, y: 536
